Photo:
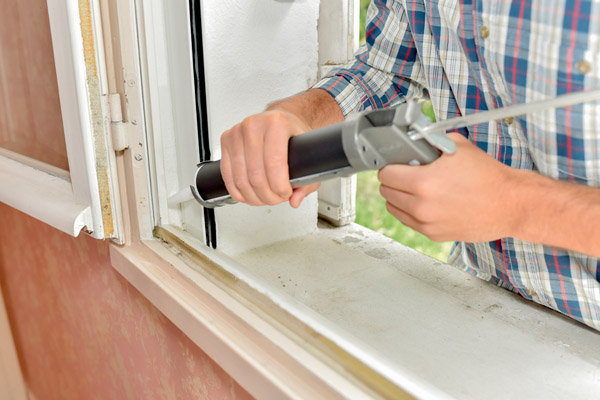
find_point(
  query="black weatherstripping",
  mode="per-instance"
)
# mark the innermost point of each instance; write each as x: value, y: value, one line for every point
x: 210, y: 227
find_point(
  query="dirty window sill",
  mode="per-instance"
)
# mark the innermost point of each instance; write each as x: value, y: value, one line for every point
x: 420, y: 325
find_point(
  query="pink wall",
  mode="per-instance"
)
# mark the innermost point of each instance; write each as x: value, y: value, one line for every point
x: 83, y: 332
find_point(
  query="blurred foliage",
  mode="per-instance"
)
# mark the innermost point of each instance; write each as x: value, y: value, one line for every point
x: 370, y: 206
x: 364, y: 5
x: 371, y: 213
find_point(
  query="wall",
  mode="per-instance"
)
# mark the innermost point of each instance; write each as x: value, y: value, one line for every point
x: 257, y: 52
x: 82, y: 332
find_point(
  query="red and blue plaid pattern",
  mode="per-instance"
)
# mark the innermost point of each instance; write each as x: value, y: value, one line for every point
x: 473, y: 55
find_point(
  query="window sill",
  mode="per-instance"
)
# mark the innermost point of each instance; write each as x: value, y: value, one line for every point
x: 344, y: 310
x: 259, y: 353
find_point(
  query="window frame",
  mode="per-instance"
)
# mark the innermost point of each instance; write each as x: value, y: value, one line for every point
x: 206, y: 295
x: 87, y: 196
x: 297, y: 369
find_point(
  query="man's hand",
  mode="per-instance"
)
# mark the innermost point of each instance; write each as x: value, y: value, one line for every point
x: 254, y: 159
x: 461, y: 196
x: 469, y: 196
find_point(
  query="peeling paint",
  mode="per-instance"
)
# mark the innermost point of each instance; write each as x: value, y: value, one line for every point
x: 98, y: 131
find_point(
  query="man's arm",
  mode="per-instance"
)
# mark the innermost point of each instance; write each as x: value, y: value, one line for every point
x: 254, y: 152
x: 468, y: 196
x: 254, y: 158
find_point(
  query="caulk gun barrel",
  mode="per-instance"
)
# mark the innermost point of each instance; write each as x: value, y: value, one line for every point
x: 310, y: 154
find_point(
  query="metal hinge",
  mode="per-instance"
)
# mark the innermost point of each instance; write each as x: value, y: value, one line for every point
x: 117, y: 126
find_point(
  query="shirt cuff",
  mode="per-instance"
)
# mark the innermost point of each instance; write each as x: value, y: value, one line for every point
x: 345, y: 90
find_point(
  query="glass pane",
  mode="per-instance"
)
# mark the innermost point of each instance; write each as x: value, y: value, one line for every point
x: 30, y: 115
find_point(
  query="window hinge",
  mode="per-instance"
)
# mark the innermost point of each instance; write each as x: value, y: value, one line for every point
x: 117, y: 126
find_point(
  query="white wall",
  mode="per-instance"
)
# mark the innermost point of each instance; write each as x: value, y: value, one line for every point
x: 256, y: 52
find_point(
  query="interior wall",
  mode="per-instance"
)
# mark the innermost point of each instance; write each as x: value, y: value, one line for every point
x: 257, y: 52
x: 83, y: 332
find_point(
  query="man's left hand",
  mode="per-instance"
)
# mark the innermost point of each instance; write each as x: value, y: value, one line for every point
x: 465, y: 196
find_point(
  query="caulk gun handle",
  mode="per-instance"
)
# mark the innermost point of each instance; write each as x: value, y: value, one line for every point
x: 311, y: 157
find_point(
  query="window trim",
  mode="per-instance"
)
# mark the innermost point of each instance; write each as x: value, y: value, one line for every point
x: 270, y: 352
x: 258, y: 350
x: 86, y: 197
x: 45, y: 194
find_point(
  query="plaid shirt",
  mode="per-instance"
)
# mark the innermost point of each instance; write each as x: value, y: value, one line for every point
x: 469, y: 56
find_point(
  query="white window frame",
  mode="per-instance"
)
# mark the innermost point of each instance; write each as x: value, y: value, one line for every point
x: 86, y: 197
x: 338, y: 40
x: 256, y: 333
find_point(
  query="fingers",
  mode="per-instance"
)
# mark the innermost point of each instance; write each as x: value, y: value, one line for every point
x: 404, y: 217
x: 227, y: 173
x: 405, y: 177
x: 254, y: 158
x: 256, y: 136
x: 301, y: 192
x: 275, y: 148
x: 399, y: 199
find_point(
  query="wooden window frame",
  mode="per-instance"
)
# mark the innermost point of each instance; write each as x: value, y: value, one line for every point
x: 87, y: 197
x: 273, y: 345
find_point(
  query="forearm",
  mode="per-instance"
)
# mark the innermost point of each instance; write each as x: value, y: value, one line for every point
x: 555, y: 213
x: 315, y: 107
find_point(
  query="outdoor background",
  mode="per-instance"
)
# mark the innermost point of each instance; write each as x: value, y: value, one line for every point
x: 370, y: 206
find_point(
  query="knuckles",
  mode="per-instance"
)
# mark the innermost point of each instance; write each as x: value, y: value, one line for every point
x: 251, y: 125
x: 256, y: 178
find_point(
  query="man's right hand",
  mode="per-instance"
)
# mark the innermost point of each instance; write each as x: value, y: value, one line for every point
x: 254, y: 153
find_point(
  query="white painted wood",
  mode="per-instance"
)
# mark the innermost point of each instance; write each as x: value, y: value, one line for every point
x: 431, y: 329
x: 171, y: 123
x: 338, y: 31
x: 73, y: 203
x: 303, y: 258
x: 83, y: 151
x: 256, y: 353
x: 337, y: 201
x: 136, y: 161
x: 245, y: 45
x: 338, y: 40
x: 45, y: 196
x: 71, y: 77
x: 417, y: 316
x: 12, y: 384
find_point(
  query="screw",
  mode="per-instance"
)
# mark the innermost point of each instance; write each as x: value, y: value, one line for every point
x: 134, y: 122
x: 138, y: 157
x: 131, y: 82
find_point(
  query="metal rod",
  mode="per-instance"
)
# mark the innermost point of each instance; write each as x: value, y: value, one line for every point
x: 514, y: 111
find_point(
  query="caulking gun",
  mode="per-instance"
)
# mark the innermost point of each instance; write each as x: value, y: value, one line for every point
x: 366, y: 141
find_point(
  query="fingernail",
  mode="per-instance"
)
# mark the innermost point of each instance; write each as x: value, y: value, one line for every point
x: 285, y: 195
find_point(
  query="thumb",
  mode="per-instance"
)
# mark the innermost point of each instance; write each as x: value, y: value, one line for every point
x: 301, y: 192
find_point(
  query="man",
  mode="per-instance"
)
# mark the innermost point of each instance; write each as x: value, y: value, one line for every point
x: 520, y: 195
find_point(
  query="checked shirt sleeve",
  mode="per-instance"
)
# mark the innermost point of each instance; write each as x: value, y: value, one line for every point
x: 384, y: 70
